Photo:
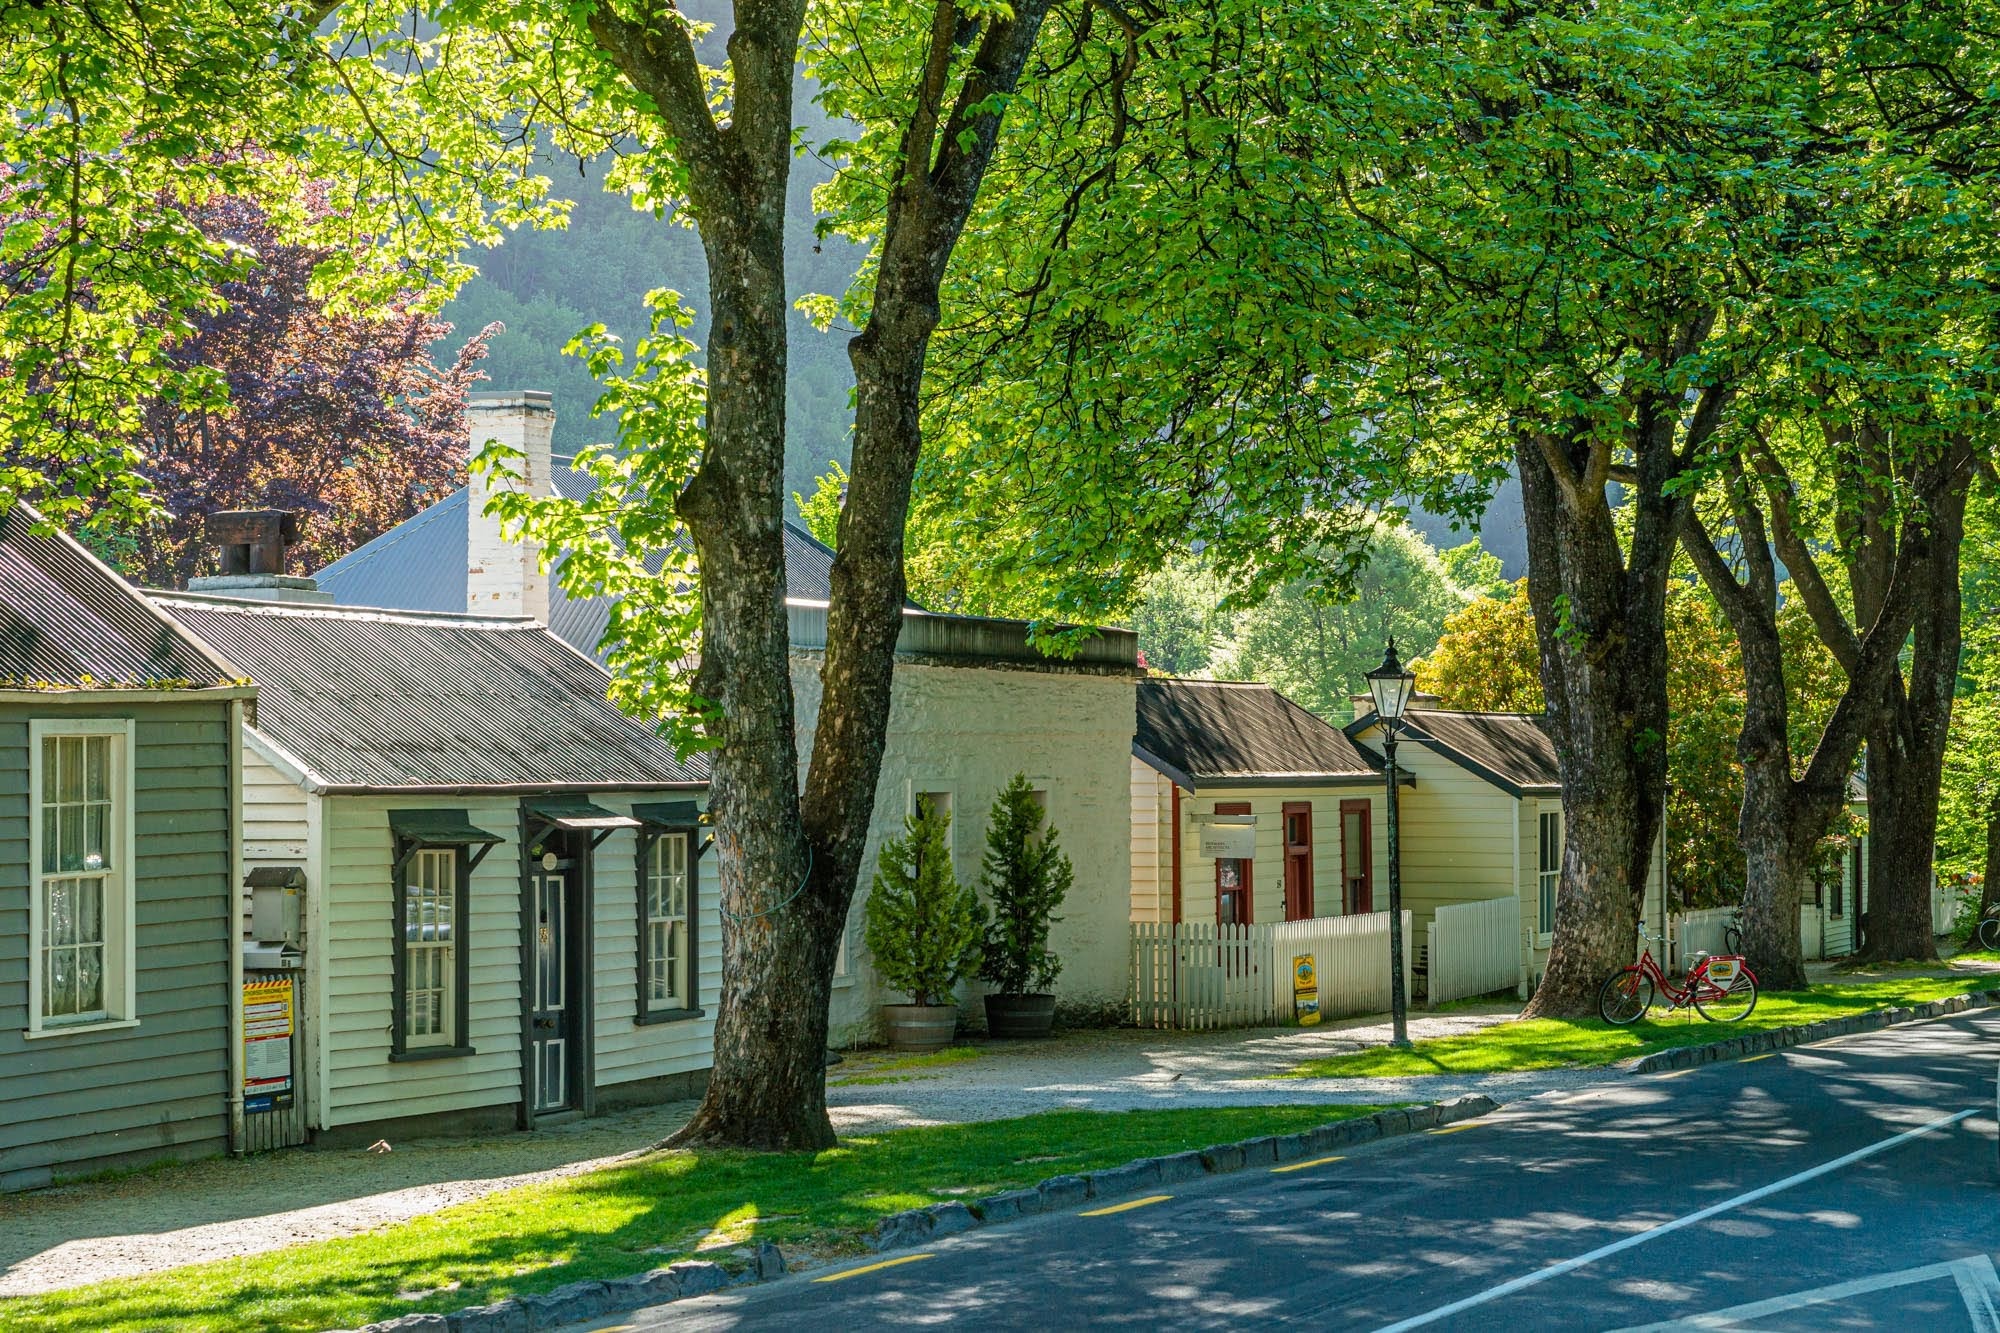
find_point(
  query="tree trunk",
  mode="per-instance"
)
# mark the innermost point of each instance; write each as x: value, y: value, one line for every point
x: 789, y: 866
x: 768, y: 1085
x: 1906, y: 746
x: 1600, y: 621
x: 1777, y: 848
x: 1989, y: 888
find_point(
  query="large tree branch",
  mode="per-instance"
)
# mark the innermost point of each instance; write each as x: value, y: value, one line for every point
x: 657, y: 57
x: 1734, y: 599
x: 1828, y: 619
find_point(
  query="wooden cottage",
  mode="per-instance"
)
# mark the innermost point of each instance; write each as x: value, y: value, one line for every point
x: 1246, y: 808
x: 118, y: 830
x: 487, y: 880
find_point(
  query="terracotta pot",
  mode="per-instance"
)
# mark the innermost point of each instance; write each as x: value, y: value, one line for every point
x: 1020, y: 1015
x: 920, y: 1027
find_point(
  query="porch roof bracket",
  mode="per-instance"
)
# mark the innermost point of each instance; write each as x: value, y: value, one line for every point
x: 678, y: 816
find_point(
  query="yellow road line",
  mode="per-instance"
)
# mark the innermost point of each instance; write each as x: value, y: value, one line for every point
x: 873, y: 1268
x: 1127, y: 1206
x: 1675, y: 1073
x: 1454, y: 1129
x: 1300, y: 1166
x: 1751, y: 1059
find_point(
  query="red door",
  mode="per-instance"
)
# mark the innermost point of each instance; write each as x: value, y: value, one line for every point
x: 1357, y: 857
x: 1298, y: 817
x: 1233, y: 882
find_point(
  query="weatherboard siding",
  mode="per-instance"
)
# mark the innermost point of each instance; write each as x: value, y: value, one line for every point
x: 1267, y: 869
x: 1152, y: 848
x: 626, y: 1051
x: 74, y: 1103
x: 1457, y: 836
x: 359, y: 910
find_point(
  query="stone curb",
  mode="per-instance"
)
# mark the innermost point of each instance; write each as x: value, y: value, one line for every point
x: 579, y: 1301
x: 1686, y: 1057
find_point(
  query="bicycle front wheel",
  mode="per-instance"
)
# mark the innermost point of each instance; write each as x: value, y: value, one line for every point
x: 1989, y: 933
x: 1625, y: 997
x: 1727, y: 1004
x: 1732, y: 940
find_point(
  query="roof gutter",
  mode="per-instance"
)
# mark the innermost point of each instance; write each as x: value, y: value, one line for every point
x: 497, y: 789
x: 193, y: 694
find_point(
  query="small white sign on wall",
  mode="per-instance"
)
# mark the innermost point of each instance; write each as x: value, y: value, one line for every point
x: 1229, y: 837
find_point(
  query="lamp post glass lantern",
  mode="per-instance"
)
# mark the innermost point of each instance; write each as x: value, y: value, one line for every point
x: 1391, y: 685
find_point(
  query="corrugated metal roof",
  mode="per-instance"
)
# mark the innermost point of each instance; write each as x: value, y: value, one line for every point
x: 395, y: 701
x: 1212, y: 732
x: 420, y: 565
x: 65, y: 617
x: 1511, y: 750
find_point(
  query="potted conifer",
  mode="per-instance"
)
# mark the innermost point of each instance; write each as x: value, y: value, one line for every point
x: 1026, y: 877
x: 923, y: 930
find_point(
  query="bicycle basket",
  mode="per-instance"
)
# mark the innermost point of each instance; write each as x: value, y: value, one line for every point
x: 1722, y: 971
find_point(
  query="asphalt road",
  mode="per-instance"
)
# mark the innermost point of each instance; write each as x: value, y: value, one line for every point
x: 1851, y: 1184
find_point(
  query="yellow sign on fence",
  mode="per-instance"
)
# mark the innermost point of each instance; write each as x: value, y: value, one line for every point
x: 1305, y: 990
x: 267, y: 1043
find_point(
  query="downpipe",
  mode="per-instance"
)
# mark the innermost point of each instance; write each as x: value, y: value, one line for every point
x: 235, y: 935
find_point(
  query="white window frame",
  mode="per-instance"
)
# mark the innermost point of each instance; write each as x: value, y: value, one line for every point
x: 120, y: 907
x: 1544, y: 811
x: 448, y: 1027
x: 682, y: 995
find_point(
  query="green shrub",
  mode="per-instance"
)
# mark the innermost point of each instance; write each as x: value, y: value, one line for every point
x: 923, y: 925
x: 1026, y: 877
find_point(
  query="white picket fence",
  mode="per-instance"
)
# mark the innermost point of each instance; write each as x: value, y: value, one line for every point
x: 1202, y: 976
x: 1944, y: 908
x: 1474, y: 949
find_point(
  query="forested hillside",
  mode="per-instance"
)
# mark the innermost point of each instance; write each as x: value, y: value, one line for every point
x: 545, y: 286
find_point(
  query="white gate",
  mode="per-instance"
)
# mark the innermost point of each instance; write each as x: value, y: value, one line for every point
x: 1202, y: 976
x: 1474, y: 949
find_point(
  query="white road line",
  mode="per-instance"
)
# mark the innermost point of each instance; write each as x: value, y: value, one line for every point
x: 1738, y: 1316
x: 1980, y: 1286
x: 1653, y: 1233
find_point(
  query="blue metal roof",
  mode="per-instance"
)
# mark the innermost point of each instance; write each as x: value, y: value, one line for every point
x: 420, y: 565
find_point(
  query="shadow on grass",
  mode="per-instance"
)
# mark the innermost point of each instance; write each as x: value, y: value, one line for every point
x: 633, y: 1217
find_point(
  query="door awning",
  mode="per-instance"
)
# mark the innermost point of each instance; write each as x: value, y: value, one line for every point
x: 579, y: 815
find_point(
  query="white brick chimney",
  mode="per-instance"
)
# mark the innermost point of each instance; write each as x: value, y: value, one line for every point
x: 504, y: 578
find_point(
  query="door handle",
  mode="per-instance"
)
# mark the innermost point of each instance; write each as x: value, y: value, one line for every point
x: 545, y: 1025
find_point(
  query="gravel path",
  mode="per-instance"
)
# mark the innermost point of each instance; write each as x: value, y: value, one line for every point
x: 74, y: 1234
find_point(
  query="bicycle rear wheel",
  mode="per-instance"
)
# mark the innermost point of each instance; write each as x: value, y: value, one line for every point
x: 1625, y: 996
x: 1727, y: 1004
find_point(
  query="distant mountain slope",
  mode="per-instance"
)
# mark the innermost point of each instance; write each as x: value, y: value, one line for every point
x: 1502, y: 530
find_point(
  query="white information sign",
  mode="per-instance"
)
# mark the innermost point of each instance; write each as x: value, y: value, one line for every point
x: 1235, y: 839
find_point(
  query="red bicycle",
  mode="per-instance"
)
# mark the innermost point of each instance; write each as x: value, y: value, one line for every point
x: 1721, y: 987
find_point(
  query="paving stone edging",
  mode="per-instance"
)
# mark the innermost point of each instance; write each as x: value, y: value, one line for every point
x: 579, y: 1301
x: 1686, y: 1057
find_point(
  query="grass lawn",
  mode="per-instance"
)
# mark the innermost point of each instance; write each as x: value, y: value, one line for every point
x: 1547, y: 1043
x: 903, y: 1068
x: 627, y: 1219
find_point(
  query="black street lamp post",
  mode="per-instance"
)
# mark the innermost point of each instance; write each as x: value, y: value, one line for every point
x: 1390, y: 685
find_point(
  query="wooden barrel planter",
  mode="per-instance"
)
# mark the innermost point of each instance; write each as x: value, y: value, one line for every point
x: 920, y: 1027
x: 1020, y: 1015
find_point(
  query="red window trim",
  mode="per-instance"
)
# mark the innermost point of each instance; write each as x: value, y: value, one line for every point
x: 1248, y: 878
x: 1302, y: 851
x: 1365, y: 809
